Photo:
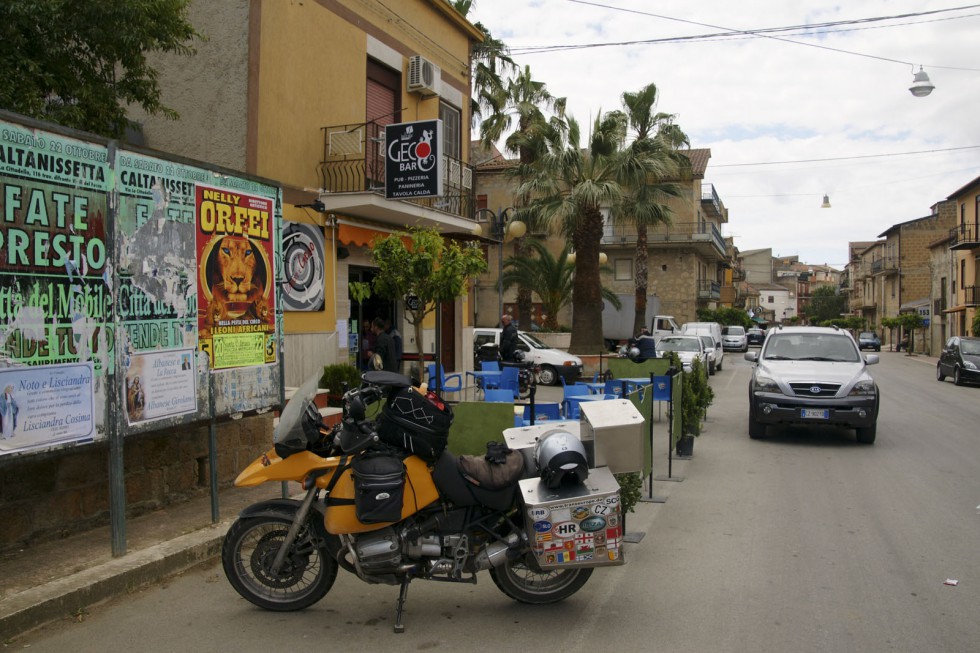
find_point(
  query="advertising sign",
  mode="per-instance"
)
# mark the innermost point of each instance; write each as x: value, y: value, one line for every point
x: 236, y: 277
x: 161, y: 384
x: 304, y: 278
x: 413, y: 160
x: 51, y: 404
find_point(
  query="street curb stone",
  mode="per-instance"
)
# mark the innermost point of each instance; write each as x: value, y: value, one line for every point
x: 45, y: 603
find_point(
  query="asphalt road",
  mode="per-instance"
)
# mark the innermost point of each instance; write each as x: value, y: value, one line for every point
x: 804, y: 541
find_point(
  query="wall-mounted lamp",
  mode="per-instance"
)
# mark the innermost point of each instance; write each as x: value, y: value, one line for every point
x: 826, y: 202
x: 316, y: 205
x: 921, y: 86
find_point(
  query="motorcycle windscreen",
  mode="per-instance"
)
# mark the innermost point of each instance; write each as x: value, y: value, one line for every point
x: 289, y: 436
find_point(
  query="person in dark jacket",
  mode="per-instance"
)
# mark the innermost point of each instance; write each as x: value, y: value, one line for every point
x: 508, y: 338
x: 384, y: 346
x: 396, y: 339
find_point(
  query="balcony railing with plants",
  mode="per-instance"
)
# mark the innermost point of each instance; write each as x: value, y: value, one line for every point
x: 354, y: 162
x: 677, y: 232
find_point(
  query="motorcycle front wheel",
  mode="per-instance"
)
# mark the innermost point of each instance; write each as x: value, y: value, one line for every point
x: 247, y: 556
x: 523, y: 583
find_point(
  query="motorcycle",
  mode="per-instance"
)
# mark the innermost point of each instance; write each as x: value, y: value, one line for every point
x: 527, y: 373
x: 386, y: 501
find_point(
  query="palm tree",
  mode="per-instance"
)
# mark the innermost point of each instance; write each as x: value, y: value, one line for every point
x: 571, y: 184
x: 657, y: 137
x: 550, y: 277
x: 525, y: 100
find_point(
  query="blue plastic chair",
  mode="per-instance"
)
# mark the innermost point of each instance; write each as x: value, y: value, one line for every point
x: 450, y: 383
x: 488, y: 382
x: 509, y: 381
x: 548, y: 411
x: 574, y: 390
x: 614, y: 387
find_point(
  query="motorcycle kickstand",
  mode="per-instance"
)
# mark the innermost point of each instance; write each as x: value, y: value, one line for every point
x: 402, y: 595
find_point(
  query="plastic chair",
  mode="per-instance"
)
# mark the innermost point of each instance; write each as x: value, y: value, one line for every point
x: 486, y: 382
x: 549, y: 411
x: 614, y: 387
x: 450, y: 383
x: 498, y: 396
x: 573, y: 391
x: 509, y: 381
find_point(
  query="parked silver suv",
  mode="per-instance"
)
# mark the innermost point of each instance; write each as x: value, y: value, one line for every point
x: 812, y: 375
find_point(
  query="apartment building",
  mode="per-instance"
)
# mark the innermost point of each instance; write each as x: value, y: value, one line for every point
x: 301, y: 93
x: 962, y: 281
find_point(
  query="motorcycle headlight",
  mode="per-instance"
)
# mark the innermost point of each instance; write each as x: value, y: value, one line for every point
x: 765, y: 384
x: 863, y: 388
x: 970, y: 365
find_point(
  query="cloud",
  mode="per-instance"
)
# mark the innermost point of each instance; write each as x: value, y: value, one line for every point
x: 759, y: 99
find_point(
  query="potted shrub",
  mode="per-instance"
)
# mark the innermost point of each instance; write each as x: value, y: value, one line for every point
x: 696, y: 396
x: 334, y: 376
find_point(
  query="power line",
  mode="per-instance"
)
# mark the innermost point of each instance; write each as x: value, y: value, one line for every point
x: 844, y: 158
x: 729, y: 32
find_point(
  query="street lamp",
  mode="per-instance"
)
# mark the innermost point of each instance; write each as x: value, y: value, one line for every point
x: 921, y: 85
x: 502, y: 228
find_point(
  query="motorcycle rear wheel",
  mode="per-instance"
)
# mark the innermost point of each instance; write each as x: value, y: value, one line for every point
x: 247, y: 555
x: 521, y: 582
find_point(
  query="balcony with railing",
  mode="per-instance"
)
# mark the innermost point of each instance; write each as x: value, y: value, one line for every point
x: 704, y: 236
x: 354, y: 162
x: 711, y: 203
x: 971, y: 295
x: 708, y: 289
x: 964, y: 236
x: 886, y: 265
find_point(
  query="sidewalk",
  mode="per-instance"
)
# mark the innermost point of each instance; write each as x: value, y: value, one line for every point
x: 55, y: 580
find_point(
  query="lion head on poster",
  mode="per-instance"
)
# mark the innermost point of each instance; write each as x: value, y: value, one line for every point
x: 236, y: 275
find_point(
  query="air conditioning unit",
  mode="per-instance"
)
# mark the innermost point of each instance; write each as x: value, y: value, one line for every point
x: 423, y: 76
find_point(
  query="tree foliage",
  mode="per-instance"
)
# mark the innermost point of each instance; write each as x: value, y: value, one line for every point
x: 422, y: 264
x: 725, y: 316
x: 550, y: 278
x: 826, y: 304
x: 79, y: 64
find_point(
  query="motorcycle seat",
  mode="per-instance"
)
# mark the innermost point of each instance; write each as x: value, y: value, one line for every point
x: 454, y: 487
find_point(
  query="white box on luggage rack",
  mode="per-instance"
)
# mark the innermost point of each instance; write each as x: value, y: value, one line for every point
x: 578, y: 525
x: 612, y: 431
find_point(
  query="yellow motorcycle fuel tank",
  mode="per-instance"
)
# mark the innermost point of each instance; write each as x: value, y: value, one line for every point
x: 420, y: 491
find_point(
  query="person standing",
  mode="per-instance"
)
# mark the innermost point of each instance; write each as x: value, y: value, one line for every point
x: 384, y: 346
x: 508, y: 338
x: 396, y: 339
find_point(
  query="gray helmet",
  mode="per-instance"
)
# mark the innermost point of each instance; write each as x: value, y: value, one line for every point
x: 634, y: 353
x: 561, y: 459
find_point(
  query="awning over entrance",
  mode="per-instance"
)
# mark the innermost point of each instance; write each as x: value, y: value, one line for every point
x: 350, y: 235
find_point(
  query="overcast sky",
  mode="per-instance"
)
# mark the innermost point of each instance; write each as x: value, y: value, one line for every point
x: 760, y: 100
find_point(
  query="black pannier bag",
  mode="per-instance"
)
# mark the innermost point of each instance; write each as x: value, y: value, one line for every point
x: 417, y: 423
x: 379, y: 485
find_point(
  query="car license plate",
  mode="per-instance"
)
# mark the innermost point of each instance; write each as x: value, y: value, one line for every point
x: 816, y: 413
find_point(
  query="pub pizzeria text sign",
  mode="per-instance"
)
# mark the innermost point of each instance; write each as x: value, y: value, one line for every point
x: 413, y: 162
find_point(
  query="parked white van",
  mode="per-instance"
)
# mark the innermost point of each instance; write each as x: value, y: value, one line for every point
x: 712, y: 329
x: 552, y: 362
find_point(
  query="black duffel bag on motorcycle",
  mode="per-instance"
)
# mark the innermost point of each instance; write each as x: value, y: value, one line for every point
x: 417, y: 423
x: 379, y: 484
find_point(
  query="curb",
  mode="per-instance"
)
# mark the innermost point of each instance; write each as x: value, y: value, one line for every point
x: 65, y: 596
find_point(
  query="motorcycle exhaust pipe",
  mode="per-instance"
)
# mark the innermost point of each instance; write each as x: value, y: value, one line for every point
x: 495, y: 553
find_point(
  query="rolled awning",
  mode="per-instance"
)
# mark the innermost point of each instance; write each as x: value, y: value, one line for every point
x: 350, y: 235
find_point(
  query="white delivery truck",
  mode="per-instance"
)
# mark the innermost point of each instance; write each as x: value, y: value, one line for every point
x: 712, y: 329
x: 617, y: 326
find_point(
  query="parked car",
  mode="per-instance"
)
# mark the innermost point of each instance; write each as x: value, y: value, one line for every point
x: 733, y: 338
x: 960, y: 359
x: 713, y: 351
x: 552, y: 362
x: 713, y: 329
x: 754, y: 337
x: 869, y: 340
x: 812, y: 375
x: 687, y: 346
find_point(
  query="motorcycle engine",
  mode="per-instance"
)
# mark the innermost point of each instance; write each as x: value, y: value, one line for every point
x: 384, y: 552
